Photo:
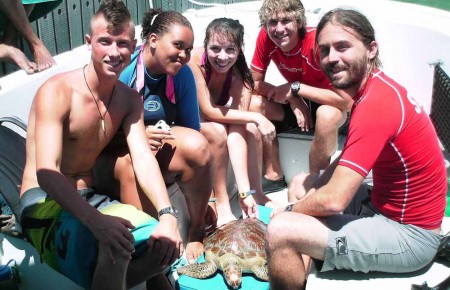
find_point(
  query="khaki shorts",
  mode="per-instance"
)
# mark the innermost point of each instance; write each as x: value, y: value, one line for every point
x: 372, y: 242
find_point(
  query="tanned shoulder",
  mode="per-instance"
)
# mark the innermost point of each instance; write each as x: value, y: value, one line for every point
x: 129, y: 98
x: 57, y: 92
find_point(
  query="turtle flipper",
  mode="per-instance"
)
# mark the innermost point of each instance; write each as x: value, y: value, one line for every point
x: 199, y: 271
x: 261, y: 272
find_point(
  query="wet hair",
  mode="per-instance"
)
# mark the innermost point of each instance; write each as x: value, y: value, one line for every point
x: 291, y: 7
x: 357, y: 22
x: 159, y: 22
x: 115, y: 12
x: 234, y: 31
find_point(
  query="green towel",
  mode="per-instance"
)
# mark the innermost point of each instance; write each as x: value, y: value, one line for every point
x: 41, y: 8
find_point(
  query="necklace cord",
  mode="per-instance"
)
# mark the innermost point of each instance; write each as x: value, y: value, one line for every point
x: 102, y: 117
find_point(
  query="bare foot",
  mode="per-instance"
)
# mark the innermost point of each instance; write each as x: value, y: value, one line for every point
x: 224, y: 214
x: 194, y: 248
x: 224, y: 219
x: 42, y: 57
x: 193, y: 251
x: 17, y: 57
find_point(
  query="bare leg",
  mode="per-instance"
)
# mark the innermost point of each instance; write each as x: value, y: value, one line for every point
x: 271, y: 157
x: 255, y: 165
x: 289, y: 236
x: 278, y: 270
x: 10, y: 34
x: 159, y: 282
x: 16, y: 14
x: 324, y: 143
x: 216, y: 134
x: 186, y: 160
x: 147, y: 268
x: 273, y: 170
x: 192, y: 167
x: 238, y: 150
x: 107, y: 275
x: 17, y: 57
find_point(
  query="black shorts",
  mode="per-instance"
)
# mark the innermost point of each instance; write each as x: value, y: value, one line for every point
x: 290, y: 121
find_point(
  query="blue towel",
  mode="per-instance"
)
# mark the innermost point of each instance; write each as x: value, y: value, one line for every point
x: 217, y: 282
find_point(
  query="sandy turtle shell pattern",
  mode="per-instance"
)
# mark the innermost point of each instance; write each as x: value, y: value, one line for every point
x: 235, y: 248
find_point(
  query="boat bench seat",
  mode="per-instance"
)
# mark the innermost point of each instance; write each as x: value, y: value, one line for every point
x: 12, y: 162
x: 432, y: 275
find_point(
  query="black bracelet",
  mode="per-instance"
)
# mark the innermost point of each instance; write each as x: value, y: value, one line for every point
x: 289, y: 207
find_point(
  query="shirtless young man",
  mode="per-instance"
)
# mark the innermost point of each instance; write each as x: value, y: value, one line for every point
x: 82, y: 234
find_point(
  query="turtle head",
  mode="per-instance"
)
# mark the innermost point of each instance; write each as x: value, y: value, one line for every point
x: 232, y: 270
x: 234, y: 280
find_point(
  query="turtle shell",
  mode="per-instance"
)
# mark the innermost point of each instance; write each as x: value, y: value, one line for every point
x: 243, y: 238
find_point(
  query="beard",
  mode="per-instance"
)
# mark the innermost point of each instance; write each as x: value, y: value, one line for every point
x: 349, y: 76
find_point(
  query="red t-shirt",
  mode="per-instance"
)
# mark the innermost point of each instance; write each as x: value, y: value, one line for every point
x: 299, y: 64
x: 390, y: 134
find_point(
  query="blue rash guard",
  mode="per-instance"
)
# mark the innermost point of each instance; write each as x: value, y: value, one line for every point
x: 184, y: 112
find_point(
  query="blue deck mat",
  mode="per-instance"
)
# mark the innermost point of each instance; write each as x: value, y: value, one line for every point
x: 217, y: 282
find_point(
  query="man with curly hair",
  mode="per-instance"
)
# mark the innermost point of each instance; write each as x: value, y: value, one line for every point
x: 307, y: 100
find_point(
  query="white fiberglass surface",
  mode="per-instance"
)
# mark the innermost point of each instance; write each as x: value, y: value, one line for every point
x: 411, y: 37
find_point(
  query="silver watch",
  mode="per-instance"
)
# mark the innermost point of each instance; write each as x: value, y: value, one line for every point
x: 168, y: 210
x: 295, y: 88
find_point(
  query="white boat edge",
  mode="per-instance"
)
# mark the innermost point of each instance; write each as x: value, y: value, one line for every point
x: 411, y: 37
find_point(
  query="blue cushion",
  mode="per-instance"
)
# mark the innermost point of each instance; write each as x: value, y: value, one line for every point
x: 217, y: 281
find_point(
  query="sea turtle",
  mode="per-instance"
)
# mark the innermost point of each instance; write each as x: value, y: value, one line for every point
x: 234, y: 248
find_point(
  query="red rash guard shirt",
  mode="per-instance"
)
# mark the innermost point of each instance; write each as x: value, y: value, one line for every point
x: 390, y: 134
x: 299, y: 64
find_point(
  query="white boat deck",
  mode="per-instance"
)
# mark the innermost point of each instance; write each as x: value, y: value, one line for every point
x: 411, y: 37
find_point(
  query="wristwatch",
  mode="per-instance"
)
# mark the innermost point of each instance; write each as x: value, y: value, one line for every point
x: 295, y: 87
x: 246, y: 193
x: 289, y: 207
x: 168, y: 210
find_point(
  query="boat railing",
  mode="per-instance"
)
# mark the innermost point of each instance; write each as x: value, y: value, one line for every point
x: 440, y: 106
x: 65, y: 27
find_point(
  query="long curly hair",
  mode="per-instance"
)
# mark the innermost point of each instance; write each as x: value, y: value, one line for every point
x: 290, y: 7
x: 234, y: 31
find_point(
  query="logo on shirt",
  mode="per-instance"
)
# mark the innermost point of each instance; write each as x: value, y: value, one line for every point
x: 291, y: 69
x: 341, y: 246
x: 417, y: 106
x: 152, y: 106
